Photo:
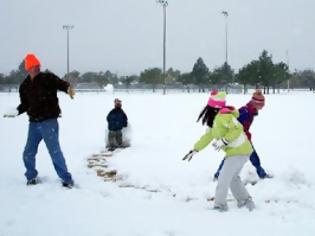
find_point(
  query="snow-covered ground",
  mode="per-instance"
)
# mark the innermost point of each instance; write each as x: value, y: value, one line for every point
x: 163, y: 129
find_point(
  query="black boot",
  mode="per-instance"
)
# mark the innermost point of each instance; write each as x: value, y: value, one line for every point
x: 68, y: 184
x: 33, y: 181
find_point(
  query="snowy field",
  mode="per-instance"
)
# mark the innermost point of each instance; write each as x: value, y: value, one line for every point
x: 164, y: 129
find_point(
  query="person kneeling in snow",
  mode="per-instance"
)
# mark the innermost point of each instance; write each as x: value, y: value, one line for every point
x: 227, y: 134
x: 247, y: 115
x: 117, y: 120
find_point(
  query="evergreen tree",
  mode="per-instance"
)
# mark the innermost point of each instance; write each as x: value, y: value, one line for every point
x: 222, y: 76
x: 265, y: 70
x: 280, y: 74
x: 200, y: 74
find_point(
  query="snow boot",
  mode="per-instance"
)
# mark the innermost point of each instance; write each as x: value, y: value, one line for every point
x: 33, y: 181
x: 248, y: 203
x: 221, y: 208
x: 68, y: 184
x: 267, y: 176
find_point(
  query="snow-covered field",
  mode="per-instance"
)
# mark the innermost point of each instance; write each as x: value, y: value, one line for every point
x: 163, y: 129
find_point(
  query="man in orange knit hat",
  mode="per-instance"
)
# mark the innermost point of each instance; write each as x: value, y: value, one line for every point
x: 38, y: 96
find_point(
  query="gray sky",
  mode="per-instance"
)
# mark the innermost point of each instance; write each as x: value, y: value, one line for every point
x: 125, y: 36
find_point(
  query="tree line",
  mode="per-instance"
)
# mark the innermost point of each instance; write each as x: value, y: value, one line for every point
x: 259, y: 73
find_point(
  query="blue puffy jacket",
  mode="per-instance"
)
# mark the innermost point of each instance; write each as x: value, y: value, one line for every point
x: 117, y: 119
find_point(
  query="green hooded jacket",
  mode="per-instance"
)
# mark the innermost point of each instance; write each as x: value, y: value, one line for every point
x: 227, y: 127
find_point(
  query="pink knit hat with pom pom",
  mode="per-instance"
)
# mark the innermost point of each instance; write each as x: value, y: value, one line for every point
x: 217, y: 99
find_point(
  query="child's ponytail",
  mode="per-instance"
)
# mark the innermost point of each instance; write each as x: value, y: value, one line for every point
x: 208, y: 114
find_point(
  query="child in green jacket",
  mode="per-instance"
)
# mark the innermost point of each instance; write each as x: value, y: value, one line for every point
x: 226, y: 134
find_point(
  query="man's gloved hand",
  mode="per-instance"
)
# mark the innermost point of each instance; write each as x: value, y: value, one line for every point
x: 11, y: 114
x: 219, y: 144
x: 71, y: 92
x: 189, y: 155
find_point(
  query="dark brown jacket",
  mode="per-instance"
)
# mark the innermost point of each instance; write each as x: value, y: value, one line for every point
x: 39, y: 97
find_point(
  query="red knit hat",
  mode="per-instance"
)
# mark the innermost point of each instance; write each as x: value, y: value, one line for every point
x: 258, y: 99
x: 31, y: 61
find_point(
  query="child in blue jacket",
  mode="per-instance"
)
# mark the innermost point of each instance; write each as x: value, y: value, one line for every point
x: 117, y: 120
x: 246, y: 118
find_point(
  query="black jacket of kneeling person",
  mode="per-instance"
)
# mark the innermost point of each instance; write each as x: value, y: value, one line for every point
x: 117, y: 118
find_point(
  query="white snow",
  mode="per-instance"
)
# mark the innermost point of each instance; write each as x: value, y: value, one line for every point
x: 164, y: 130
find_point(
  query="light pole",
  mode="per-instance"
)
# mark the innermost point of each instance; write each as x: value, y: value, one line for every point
x: 288, y: 63
x: 68, y: 28
x: 226, y: 14
x: 164, y: 4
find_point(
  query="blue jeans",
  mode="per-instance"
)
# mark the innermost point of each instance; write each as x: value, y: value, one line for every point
x: 254, y: 159
x: 48, y: 130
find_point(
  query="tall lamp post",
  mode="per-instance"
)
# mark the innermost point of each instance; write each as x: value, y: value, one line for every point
x: 226, y: 14
x: 164, y: 3
x: 68, y: 28
x: 288, y: 63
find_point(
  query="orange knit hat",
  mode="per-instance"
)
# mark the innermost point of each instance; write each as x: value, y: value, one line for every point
x: 31, y: 61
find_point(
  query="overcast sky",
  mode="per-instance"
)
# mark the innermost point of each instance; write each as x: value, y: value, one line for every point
x: 125, y: 36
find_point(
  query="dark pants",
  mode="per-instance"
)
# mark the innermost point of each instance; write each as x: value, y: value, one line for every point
x: 114, y: 139
x: 254, y: 159
x: 48, y: 130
